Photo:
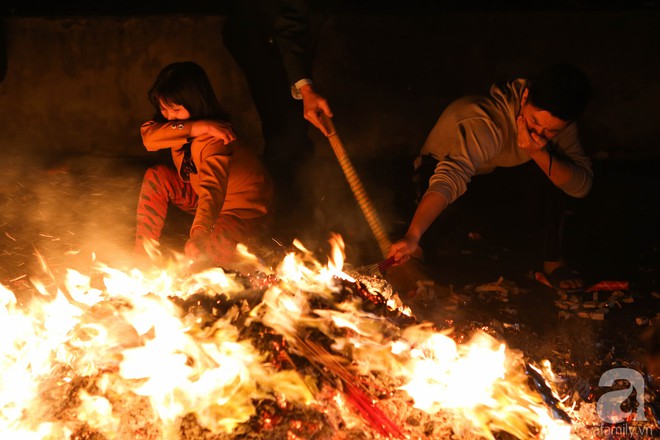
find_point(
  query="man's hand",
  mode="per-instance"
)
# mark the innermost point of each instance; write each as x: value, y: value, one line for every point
x: 313, y: 106
x: 430, y: 207
x: 403, y: 249
x: 217, y: 129
x: 529, y: 141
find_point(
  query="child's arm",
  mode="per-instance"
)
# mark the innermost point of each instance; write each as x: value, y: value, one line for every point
x: 161, y: 135
x: 213, y: 172
x: 217, y: 129
x: 173, y: 134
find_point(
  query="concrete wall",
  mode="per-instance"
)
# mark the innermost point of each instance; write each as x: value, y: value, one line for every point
x: 78, y: 84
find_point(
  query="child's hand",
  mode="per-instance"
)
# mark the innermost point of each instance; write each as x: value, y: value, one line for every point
x: 196, y: 244
x: 217, y: 129
x: 193, y: 249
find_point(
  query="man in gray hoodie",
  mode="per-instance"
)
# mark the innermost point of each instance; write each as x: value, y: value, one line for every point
x: 521, y: 121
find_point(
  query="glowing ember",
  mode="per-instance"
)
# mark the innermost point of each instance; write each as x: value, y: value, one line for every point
x: 299, y: 350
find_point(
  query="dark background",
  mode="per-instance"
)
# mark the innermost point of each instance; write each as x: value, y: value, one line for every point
x: 82, y: 7
x: 74, y: 95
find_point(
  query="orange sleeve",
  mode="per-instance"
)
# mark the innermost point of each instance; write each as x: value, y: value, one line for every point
x: 213, y: 171
x: 161, y: 135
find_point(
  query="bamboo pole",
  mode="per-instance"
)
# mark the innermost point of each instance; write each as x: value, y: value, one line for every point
x: 359, y: 192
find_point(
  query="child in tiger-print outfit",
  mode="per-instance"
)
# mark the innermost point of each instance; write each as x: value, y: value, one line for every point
x: 215, y: 177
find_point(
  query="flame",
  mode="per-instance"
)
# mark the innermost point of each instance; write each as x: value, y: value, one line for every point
x: 480, y: 380
x: 105, y: 346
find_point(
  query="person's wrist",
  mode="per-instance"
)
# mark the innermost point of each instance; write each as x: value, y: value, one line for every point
x: 412, y: 237
x: 306, y: 90
x: 199, y: 232
x: 535, y: 154
x: 195, y: 128
x: 296, y: 87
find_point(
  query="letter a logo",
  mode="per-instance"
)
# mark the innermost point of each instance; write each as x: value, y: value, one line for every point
x: 609, y: 404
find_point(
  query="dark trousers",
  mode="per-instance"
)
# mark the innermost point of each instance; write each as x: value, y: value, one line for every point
x: 518, y: 204
x: 288, y: 148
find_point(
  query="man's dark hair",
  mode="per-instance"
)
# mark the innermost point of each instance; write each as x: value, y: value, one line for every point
x: 562, y: 90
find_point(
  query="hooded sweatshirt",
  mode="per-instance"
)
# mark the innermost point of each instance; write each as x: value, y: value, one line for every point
x: 476, y: 134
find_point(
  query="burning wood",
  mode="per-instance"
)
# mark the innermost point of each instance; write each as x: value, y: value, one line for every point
x: 302, y: 352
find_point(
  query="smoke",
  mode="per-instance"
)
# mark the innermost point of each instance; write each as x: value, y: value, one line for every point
x: 70, y: 210
x: 66, y: 213
x: 386, y: 176
x: 335, y: 209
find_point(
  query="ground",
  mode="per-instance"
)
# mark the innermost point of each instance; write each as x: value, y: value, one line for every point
x: 71, y: 210
x: 612, y: 235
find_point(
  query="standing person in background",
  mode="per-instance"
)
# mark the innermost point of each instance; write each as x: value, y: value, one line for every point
x: 215, y: 177
x: 273, y: 41
x: 526, y: 121
x: 3, y: 52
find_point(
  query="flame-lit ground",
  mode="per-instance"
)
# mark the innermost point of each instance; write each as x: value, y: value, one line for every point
x: 296, y: 349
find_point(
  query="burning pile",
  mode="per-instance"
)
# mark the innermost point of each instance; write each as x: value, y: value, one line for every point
x: 302, y: 352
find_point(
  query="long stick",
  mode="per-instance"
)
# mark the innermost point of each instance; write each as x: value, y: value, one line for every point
x: 358, y: 190
x: 326, y: 363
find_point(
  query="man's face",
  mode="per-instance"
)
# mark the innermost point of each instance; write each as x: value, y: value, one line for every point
x: 540, y: 122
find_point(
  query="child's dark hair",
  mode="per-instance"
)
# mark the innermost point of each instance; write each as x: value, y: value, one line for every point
x: 186, y: 83
x: 562, y: 90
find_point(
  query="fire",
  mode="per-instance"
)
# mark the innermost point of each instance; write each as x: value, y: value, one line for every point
x: 481, y: 381
x: 125, y: 355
